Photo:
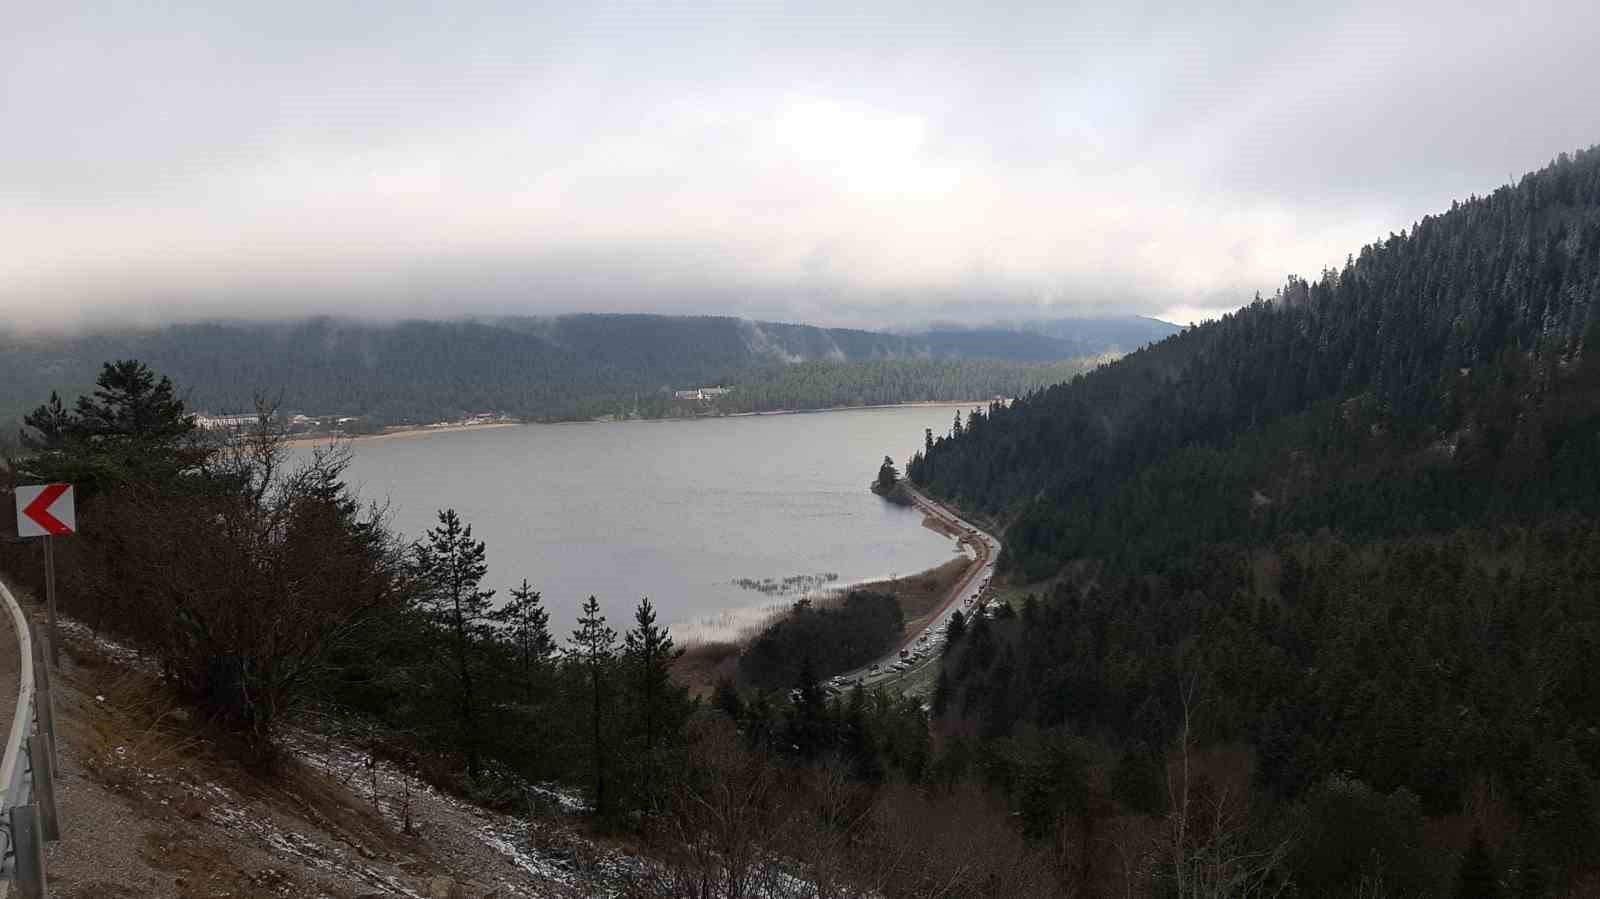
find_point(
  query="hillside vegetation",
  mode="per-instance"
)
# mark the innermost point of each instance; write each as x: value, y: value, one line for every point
x: 565, y: 367
x: 1346, y: 543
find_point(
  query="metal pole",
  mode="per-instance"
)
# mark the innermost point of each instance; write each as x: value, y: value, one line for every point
x: 30, y: 852
x: 40, y: 752
x: 44, y: 708
x: 50, y: 597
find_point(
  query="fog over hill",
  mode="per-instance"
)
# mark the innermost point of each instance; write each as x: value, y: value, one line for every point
x: 561, y: 367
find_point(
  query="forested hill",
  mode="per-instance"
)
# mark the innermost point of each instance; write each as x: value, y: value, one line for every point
x: 1438, y: 380
x: 1338, y: 552
x: 573, y: 366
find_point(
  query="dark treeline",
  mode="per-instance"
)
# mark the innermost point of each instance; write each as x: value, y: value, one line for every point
x: 821, y: 385
x: 1335, y: 553
x: 561, y: 368
x: 830, y: 637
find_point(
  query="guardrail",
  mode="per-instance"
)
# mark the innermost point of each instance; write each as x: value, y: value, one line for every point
x: 27, y: 768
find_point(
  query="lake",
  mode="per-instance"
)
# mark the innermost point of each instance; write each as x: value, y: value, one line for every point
x: 674, y: 510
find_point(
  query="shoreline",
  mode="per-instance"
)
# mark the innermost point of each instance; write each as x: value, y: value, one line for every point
x: 917, y: 404
x: 308, y: 441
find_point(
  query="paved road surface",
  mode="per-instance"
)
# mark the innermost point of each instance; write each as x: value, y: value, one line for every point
x: 9, y: 669
x: 962, y: 596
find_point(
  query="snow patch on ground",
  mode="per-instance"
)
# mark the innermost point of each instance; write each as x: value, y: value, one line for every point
x: 545, y: 854
x: 121, y: 653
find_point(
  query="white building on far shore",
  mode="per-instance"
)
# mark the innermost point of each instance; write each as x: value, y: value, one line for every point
x: 223, y: 422
x: 701, y: 393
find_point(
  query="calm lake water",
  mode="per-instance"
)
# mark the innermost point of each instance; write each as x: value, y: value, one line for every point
x: 673, y: 510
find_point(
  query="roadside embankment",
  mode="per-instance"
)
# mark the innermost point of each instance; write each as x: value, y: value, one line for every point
x: 921, y: 594
x: 152, y: 804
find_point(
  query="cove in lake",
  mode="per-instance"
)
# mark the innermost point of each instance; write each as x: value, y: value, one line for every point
x: 678, y: 511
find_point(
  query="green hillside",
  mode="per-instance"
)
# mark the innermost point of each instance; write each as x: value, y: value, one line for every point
x: 1340, y: 548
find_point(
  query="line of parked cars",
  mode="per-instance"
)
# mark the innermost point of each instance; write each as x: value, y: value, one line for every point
x: 930, y: 639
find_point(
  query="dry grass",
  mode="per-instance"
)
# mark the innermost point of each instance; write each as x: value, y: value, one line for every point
x: 137, y: 727
x: 183, y: 781
x: 921, y: 594
x: 738, y: 625
x: 940, y: 526
x: 703, y: 664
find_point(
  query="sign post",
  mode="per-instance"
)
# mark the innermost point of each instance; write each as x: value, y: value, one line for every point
x: 48, y: 511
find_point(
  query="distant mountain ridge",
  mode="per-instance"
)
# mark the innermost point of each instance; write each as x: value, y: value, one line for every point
x: 1122, y: 334
x: 558, y: 367
x: 728, y: 340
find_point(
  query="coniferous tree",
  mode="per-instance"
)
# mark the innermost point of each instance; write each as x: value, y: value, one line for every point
x: 129, y: 401
x: 654, y: 709
x: 47, y: 428
x: 887, y: 474
x: 808, y: 714
x: 858, y: 743
x: 132, y: 428
x: 648, y: 655
x: 525, y: 625
x: 956, y: 630
x: 726, y: 699
x: 449, y: 567
x: 592, y: 651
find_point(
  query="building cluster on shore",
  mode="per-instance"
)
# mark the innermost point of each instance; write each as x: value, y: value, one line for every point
x: 301, y: 425
x: 701, y: 394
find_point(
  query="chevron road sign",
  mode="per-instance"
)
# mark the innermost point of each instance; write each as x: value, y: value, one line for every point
x: 46, y: 510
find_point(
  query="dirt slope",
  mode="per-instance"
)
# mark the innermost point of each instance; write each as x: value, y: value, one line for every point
x: 151, y: 807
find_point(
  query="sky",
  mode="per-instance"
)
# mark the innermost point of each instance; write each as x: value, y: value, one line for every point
x: 877, y: 164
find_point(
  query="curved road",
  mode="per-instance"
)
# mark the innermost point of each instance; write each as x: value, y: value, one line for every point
x: 962, y: 596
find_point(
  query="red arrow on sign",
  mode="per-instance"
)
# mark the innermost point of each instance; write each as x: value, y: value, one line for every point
x: 39, y: 510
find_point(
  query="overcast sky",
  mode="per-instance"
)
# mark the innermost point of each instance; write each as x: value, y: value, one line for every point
x: 837, y: 163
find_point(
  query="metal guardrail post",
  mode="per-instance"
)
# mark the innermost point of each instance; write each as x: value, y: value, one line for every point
x: 30, y: 880
x: 44, y: 710
x: 41, y: 761
x: 23, y: 830
x: 50, y: 592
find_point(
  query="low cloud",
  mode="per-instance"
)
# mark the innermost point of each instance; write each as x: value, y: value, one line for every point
x: 823, y: 163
